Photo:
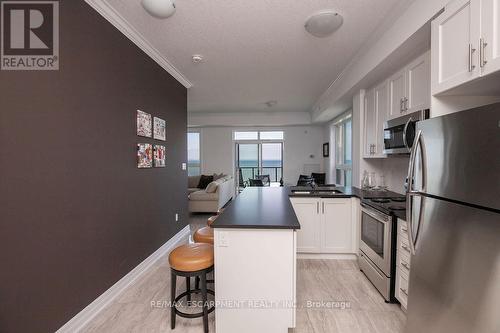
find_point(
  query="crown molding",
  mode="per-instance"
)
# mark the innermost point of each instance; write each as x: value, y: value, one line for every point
x: 110, y: 14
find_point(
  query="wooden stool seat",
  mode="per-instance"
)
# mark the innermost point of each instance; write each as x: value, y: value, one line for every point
x: 204, y: 235
x: 192, y: 257
x: 212, y: 219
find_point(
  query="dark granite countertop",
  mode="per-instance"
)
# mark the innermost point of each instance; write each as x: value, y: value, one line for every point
x: 259, y: 208
x: 345, y: 192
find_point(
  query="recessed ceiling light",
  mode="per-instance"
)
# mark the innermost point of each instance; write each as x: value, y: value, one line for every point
x: 159, y: 8
x: 197, y: 58
x: 323, y: 24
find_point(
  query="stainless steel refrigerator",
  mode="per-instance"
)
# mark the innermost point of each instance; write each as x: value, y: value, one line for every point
x: 453, y: 211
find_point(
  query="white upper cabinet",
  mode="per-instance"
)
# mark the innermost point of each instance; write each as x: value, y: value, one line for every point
x: 490, y: 31
x: 382, y: 112
x: 418, y: 84
x: 397, y: 93
x: 410, y: 88
x: 454, y: 45
x: 370, y: 124
x: 465, y: 43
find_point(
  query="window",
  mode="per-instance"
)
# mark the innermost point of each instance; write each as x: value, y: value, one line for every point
x: 262, y: 156
x: 343, y: 150
x: 194, y: 154
x: 262, y: 135
x: 271, y: 135
x: 246, y: 135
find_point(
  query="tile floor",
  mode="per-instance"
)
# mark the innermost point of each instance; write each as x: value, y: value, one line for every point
x: 332, y: 296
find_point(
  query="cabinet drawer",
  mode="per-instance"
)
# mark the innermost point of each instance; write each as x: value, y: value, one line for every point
x: 403, y: 262
x: 402, y: 291
x: 402, y: 227
x: 403, y: 245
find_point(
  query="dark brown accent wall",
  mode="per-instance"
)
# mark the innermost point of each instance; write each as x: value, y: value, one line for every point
x: 76, y: 213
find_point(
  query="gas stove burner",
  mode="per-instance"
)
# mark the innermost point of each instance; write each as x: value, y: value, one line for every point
x: 380, y: 200
x: 399, y: 199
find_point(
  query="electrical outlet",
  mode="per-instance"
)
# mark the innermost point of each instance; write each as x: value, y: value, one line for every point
x: 184, y: 166
x: 176, y: 217
x: 223, y: 241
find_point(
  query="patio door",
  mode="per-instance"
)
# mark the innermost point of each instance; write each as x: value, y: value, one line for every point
x: 253, y: 159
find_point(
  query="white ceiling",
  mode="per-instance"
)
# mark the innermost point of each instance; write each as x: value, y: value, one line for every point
x: 256, y: 50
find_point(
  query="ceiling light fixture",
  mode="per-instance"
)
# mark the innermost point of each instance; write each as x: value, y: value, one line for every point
x: 323, y: 24
x: 197, y: 58
x: 161, y: 9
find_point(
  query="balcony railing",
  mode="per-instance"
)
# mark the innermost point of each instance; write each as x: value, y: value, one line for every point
x: 275, y: 173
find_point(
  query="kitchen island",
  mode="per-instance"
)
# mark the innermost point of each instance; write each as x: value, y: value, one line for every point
x: 255, y: 243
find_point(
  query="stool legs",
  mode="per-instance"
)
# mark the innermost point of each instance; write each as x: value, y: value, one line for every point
x: 172, y: 293
x: 188, y: 288
x: 201, y: 279
x: 205, y: 303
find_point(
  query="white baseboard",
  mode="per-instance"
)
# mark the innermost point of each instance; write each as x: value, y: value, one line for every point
x: 347, y: 256
x: 88, y: 313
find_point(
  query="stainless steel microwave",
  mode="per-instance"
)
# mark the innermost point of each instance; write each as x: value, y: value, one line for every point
x: 400, y: 132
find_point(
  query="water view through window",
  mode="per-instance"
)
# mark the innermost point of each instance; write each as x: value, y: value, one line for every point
x: 255, y: 159
x: 194, y: 156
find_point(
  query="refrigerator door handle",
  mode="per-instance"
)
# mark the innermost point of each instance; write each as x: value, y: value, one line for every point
x: 410, y: 193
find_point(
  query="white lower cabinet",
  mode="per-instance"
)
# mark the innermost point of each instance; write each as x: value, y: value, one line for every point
x: 308, y: 214
x: 326, y: 225
x: 403, y: 264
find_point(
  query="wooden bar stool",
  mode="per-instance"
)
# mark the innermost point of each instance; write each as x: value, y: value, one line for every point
x: 212, y: 219
x: 187, y: 261
x: 204, y: 235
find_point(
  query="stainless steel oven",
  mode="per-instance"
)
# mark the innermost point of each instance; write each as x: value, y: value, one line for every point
x: 399, y: 133
x: 376, y: 248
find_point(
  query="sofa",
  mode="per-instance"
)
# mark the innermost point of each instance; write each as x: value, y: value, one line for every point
x: 210, y: 199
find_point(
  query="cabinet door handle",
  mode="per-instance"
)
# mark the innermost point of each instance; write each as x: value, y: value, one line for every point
x: 482, y: 45
x: 317, y: 207
x: 471, y: 51
x: 405, y: 248
x: 323, y: 207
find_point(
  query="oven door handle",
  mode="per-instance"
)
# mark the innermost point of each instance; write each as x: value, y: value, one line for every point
x: 377, y: 216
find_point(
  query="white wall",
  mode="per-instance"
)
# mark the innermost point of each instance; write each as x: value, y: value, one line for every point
x: 218, y: 149
x: 253, y: 119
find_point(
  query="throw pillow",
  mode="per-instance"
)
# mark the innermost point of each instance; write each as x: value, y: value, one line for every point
x: 204, y: 181
x: 218, y: 176
x: 212, y: 187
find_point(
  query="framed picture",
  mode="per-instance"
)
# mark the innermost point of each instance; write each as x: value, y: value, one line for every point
x: 326, y: 149
x: 159, y: 155
x: 159, y: 129
x: 144, y: 124
x: 144, y: 155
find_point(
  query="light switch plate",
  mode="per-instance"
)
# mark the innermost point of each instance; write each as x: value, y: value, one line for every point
x: 184, y: 166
